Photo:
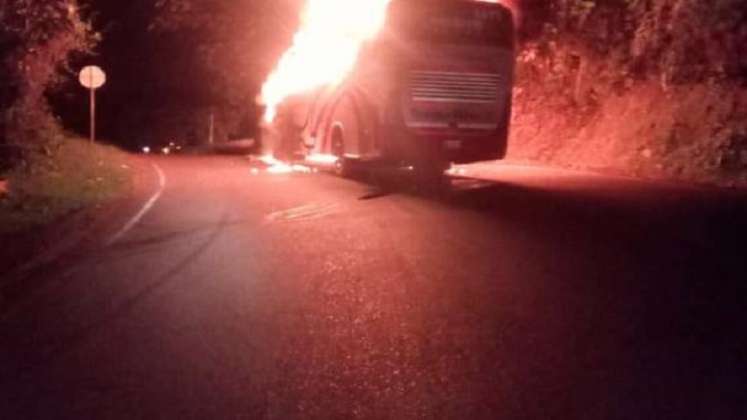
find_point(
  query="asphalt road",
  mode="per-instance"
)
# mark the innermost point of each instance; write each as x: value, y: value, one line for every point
x: 240, y: 293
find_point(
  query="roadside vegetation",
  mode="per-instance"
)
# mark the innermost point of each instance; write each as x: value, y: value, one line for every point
x: 45, y: 172
x: 76, y: 175
x: 654, y: 88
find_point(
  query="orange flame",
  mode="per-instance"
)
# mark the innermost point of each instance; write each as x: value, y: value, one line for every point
x: 326, y: 46
x: 275, y: 166
x: 324, y: 49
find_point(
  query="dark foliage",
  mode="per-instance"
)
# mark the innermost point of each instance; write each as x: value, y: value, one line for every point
x: 36, y: 41
x: 639, y: 85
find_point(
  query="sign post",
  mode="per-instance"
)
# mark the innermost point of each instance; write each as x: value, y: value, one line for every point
x: 92, y: 78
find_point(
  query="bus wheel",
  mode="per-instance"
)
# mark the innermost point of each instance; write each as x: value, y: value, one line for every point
x: 431, y: 177
x: 342, y: 165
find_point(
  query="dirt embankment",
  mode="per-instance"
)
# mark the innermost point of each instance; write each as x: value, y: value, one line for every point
x: 694, y: 133
x: 656, y: 90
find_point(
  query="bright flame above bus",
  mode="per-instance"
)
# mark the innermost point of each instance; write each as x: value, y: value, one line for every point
x: 324, y: 49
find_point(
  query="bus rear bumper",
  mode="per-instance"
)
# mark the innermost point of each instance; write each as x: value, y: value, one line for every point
x: 463, y: 148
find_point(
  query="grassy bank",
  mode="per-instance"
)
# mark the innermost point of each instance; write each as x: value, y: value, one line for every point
x: 694, y: 133
x: 75, y: 176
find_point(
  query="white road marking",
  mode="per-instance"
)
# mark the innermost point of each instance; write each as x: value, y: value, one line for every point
x: 144, y: 210
x: 305, y: 212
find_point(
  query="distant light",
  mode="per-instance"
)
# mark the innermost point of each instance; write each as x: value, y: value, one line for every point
x: 146, y: 150
x: 165, y: 150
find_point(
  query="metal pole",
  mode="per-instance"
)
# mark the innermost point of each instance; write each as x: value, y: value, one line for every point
x: 211, y: 135
x: 93, y: 115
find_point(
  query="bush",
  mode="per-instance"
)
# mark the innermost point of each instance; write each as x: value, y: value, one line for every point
x: 644, y: 86
x: 36, y: 40
x: 673, y: 41
x: 72, y: 176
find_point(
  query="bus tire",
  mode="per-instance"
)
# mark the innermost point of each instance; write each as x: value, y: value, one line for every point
x: 430, y: 176
x: 342, y: 166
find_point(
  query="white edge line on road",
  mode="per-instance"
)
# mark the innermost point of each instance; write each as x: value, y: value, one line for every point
x: 144, y: 210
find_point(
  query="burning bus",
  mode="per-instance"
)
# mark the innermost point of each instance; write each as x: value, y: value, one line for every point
x: 431, y: 86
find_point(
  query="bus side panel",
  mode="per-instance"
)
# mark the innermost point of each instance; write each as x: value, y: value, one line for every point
x: 374, y: 84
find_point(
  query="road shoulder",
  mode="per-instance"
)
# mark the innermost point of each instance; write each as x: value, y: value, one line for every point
x: 30, y: 252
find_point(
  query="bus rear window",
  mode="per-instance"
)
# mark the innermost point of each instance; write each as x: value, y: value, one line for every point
x: 455, y: 22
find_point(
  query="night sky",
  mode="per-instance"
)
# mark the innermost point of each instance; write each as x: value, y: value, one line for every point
x: 157, y: 86
x: 126, y: 55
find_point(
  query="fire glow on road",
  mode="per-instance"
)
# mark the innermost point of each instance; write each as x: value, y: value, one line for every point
x: 319, y: 158
x: 275, y: 166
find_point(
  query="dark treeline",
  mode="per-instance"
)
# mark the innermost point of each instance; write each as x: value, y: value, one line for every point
x: 174, y: 63
x: 37, y: 40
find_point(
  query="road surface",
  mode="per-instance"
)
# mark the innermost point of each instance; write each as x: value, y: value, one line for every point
x: 220, y: 290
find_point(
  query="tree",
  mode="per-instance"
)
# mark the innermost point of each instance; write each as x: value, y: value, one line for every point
x: 676, y: 41
x: 36, y: 41
x: 231, y: 47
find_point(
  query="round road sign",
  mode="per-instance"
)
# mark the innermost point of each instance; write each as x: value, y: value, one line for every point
x: 92, y: 77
